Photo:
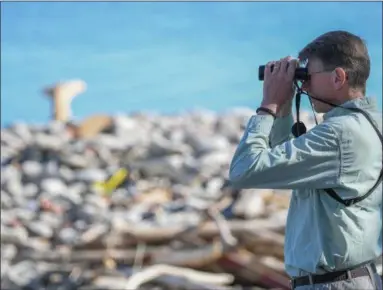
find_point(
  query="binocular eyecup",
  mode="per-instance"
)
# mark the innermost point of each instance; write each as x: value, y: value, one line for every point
x: 301, y: 73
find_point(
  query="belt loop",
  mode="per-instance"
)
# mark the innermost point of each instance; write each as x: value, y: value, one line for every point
x: 292, y: 284
x: 311, y: 279
x: 372, y: 275
x: 349, y: 275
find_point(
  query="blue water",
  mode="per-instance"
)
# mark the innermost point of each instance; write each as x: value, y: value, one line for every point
x: 162, y: 56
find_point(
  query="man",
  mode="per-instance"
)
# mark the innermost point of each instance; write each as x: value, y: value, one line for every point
x: 328, y: 245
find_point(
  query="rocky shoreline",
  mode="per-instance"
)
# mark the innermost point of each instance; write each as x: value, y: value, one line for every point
x: 136, y: 201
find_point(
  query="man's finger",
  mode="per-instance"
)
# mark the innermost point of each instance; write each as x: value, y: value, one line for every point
x: 293, y: 64
x: 284, y: 64
x: 277, y: 66
x: 268, y: 69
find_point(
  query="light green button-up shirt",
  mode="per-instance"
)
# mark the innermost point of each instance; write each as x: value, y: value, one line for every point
x: 344, y: 153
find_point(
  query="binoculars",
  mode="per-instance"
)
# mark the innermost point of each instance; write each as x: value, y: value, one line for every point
x: 301, y: 73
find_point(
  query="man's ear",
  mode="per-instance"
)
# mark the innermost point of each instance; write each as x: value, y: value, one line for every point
x: 339, y: 78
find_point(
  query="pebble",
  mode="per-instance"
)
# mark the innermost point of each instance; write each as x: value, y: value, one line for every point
x: 40, y: 229
x: 31, y: 169
x: 22, y: 273
x: 53, y: 186
x: 69, y: 235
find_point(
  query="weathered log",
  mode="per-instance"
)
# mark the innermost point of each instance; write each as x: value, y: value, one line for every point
x: 202, y: 255
x: 198, y: 278
x: 62, y: 95
x: 264, y: 242
x: 127, y: 256
x: 193, y: 258
x: 206, y: 230
x: 246, y: 266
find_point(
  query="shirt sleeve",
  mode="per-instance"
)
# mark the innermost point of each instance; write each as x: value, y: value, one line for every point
x: 281, y: 130
x: 309, y: 161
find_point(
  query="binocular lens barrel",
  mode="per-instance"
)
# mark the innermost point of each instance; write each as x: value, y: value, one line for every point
x: 301, y: 73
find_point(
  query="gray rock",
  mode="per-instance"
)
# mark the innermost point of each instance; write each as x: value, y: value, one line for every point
x: 26, y: 214
x: 52, y: 220
x: 12, y: 140
x: 80, y: 225
x: 23, y: 273
x: 96, y: 200
x: 9, y: 173
x: 6, y: 200
x: 122, y: 124
x: 78, y: 188
x: 112, y: 142
x: 170, y: 166
x: 68, y: 236
x: 8, y: 154
x: 203, y: 143
x: 91, y: 175
x: 121, y: 197
x: 8, y: 252
x: 231, y: 128
x: 31, y: 169
x: 75, y: 160
x: 31, y: 190
x: 74, y: 197
x: 49, y: 142
x: 7, y: 216
x: 40, y: 229
x: 53, y: 186
x: 23, y: 132
x: 17, y: 236
x: 250, y: 204
x: 14, y: 187
x: 213, y: 188
x: 242, y: 114
x: 161, y: 146
x: 4, y: 271
x: 51, y: 169
x: 93, y: 213
x: 56, y: 128
x: 38, y: 244
x: 66, y: 174
x: 176, y: 136
x: 214, y: 160
x: 20, y: 201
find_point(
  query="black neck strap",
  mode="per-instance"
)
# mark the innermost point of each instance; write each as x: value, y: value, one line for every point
x: 299, y: 129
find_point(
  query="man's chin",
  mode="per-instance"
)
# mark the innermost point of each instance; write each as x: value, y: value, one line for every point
x: 320, y: 109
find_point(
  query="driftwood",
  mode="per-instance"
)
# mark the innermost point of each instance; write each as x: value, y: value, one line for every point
x: 204, y: 255
x: 196, y: 277
x: 250, y: 250
x: 128, y: 235
x: 61, y: 95
x: 248, y: 267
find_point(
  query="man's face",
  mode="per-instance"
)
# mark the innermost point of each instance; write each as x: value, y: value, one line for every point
x: 319, y: 85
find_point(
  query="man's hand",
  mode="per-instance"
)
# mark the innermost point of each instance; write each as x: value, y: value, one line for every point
x: 278, y: 86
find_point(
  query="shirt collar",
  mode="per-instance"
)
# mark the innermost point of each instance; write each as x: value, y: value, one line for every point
x: 365, y: 103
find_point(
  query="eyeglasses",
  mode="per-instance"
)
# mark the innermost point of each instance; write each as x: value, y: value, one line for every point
x: 314, y: 73
x: 324, y: 71
x: 319, y: 72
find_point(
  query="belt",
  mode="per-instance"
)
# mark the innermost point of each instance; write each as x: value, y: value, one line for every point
x: 333, y: 276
